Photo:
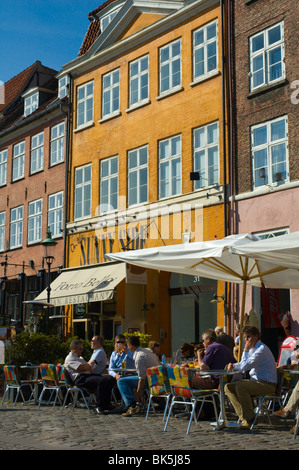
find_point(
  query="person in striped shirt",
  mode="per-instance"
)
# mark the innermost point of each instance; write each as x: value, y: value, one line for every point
x: 259, y: 362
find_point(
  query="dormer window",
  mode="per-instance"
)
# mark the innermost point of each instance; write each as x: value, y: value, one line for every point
x: 31, y: 100
x: 106, y: 19
x: 63, y: 83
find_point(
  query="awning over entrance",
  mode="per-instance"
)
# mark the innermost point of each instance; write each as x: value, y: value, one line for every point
x: 85, y: 284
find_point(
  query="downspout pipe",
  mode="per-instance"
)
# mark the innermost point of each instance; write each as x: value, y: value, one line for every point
x: 223, y: 62
x: 67, y: 162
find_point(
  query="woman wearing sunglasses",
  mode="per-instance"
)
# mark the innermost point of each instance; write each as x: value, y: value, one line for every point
x: 120, y: 354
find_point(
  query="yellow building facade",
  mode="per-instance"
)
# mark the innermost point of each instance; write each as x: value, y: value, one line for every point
x: 147, y: 161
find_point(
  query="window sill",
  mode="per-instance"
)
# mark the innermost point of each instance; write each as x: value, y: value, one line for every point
x: 141, y: 104
x: 109, y: 117
x: 206, y: 77
x: 84, y: 126
x: 167, y: 93
x: 266, y: 88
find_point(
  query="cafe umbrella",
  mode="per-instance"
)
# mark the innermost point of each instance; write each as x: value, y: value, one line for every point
x: 224, y: 260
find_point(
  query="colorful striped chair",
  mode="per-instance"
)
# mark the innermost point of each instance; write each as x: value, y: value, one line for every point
x: 74, y: 391
x: 51, y: 383
x: 183, y: 393
x: 13, y: 382
x: 158, y: 387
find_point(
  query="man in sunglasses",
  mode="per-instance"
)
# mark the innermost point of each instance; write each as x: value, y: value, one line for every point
x: 120, y: 354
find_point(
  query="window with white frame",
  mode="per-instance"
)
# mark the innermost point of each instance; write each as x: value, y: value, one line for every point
x: 106, y: 19
x: 111, y: 93
x: 2, y: 231
x: 205, y: 43
x: 37, y: 153
x: 170, y: 179
x: 16, y: 227
x: 267, y: 56
x: 31, y: 103
x: 63, y: 83
x: 170, y: 66
x: 55, y: 213
x: 85, y: 104
x: 137, y: 175
x: 109, y: 185
x: 139, y: 80
x: 57, y: 144
x: 3, y: 167
x: 206, y: 155
x: 269, y: 146
x: 18, y: 161
x: 35, y: 209
x: 83, y: 191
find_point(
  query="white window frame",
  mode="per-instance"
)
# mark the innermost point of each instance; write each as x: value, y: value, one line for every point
x: 55, y: 213
x: 2, y: 231
x: 171, y: 183
x: 263, y: 54
x: 16, y: 227
x: 204, y: 47
x: 35, y: 211
x: 111, y: 94
x: 264, y: 172
x: 82, y: 206
x: 106, y: 19
x: 137, y: 78
x: 209, y: 172
x: 169, y: 63
x: 57, y: 143
x: 31, y: 103
x: 85, y: 103
x: 37, y: 153
x: 18, y: 161
x: 3, y: 167
x: 135, y: 168
x: 63, y: 84
x: 108, y: 179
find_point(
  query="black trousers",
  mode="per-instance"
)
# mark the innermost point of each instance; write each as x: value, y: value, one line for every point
x: 101, y: 385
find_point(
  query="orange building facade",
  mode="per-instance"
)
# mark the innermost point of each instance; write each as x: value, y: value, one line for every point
x: 148, y: 161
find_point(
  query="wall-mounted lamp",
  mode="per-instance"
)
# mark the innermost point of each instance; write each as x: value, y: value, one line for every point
x: 215, y: 299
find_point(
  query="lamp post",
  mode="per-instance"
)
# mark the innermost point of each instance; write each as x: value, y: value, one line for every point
x: 49, y: 249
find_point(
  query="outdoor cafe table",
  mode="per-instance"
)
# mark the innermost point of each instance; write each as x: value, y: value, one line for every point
x: 125, y: 371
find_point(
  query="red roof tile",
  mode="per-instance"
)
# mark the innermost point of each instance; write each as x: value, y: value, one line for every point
x: 15, y: 85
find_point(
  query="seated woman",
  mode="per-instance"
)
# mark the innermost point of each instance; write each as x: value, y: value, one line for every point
x: 185, y: 352
x: 155, y: 347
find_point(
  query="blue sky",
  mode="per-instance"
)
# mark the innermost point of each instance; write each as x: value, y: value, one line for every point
x: 51, y: 31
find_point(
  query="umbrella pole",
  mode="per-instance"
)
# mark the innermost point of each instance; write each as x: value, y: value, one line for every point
x: 242, y: 319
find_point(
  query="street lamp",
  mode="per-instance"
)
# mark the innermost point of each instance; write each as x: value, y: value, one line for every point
x: 49, y: 249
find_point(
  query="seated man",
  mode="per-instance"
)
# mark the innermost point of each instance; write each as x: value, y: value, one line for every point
x: 120, y: 354
x: 214, y: 356
x: 98, y: 358
x: 82, y: 374
x: 259, y: 361
x: 143, y: 359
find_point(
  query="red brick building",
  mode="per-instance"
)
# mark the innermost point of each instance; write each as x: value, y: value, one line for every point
x: 33, y: 136
x: 264, y: 153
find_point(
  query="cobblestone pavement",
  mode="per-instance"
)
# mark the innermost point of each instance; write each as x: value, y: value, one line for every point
x: 25, y: 427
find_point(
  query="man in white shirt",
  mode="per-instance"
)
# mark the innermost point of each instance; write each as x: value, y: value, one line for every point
x: 82, y: 374
x: 143, y: 359
x: 98, y: 358
x: 259, y: 361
